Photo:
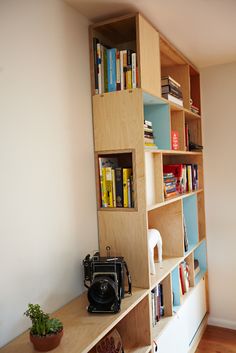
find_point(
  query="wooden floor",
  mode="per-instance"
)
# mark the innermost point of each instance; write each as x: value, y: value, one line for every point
x: 217, y: 340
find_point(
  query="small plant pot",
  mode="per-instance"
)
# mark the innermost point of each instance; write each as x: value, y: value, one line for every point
x: 46, y: 343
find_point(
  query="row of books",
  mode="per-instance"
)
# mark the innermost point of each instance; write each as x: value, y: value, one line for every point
x: 184, y: 176
x: 149, y: 141
x: 114, y: 69
x: 184, y: 277
x: 116, y: 184
x: 157, y: 303
x: 171, y: 90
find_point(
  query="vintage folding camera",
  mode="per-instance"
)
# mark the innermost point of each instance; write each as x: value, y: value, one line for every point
x: 104, y: 277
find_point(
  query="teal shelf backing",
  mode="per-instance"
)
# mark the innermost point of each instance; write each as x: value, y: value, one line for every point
x: 159, y: 115
x: 201, y: 256
x: 191, y: 219
x: 176, y: 286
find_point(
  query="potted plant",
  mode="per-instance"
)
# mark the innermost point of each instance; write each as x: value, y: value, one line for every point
x: 46, y: 332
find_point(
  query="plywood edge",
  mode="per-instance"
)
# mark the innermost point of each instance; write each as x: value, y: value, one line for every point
x: 114, y: 19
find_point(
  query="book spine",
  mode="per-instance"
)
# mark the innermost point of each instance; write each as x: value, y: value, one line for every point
x: 125, y: 67
x: 114, y: 187
x: 111, y: 69
x: 95, y: 61
x: 121, y: 70
x: 118, y: 75
x: 102, y: 68
x: 126, y: 175
x: 99, y: 68
x: 119, y: 187
x: 134, y: 74
x: 189, y: 176
x: 109, y: 186
x: 104, y: 188
x: 128, y: 78
x: 105, y: 70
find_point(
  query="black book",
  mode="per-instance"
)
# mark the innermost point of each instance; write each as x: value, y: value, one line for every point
x: 95, y: 41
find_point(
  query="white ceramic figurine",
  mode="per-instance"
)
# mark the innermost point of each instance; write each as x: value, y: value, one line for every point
x: 154, y: 239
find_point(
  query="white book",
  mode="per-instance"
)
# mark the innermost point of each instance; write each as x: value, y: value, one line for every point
x: 173, y: 99
x: 133, y: 58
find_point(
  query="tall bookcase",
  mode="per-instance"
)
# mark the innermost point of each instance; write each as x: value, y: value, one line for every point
x: 118, y: 119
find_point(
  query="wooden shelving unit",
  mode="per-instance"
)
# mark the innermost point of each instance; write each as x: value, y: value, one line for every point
x: 118, y: 132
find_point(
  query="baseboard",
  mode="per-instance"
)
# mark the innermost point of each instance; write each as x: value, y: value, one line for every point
x: 198, y: 335
x: 214, y: 321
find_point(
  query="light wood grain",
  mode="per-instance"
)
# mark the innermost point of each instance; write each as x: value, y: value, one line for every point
x: 201, y: 216
x: 167, y: 295
x: 126, y: 234
x: 149, y: 54
x: 190, y: 262
x: 177, y: 124
x: 171, y: 231
x: 81, y: 329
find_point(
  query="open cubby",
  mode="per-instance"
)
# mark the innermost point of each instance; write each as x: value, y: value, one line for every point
x: 116, y: 180
x: 201, y: 256
x: 194, y: 158
x: 190, y: 262
x: 159, y: 115
x: 193, y: 126
x: 190, y: 215
x: 195, y: 88
x: 134, y: 333
x: 168, y: 220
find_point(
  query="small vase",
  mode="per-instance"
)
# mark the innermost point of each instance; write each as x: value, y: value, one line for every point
x: 46, y: 343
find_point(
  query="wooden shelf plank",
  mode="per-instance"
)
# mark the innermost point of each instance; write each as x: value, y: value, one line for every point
x: 81, y: 330
x: 145, y: 349
x: 173, y: 199
x: 172, y: 152
x: 161, y: 325
x: 163, y: 269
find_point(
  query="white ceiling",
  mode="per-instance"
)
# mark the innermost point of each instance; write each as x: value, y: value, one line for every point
x: 204, y: 30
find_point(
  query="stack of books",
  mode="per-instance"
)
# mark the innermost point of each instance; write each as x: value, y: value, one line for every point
x: 171, y: 90
x: 114, y: 69
x: 184, y: 277
x: 193, y: 107
x: 169, y: 184
x: 116, y: 184
x: 157, y: 304
x: 186, y: 176
x: 148, y: 135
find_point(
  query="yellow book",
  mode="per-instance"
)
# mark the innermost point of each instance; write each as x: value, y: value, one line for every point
x: 114, y: 187
x: 109, y: 186
x: 103, y: 188
x: 126, y: 175
x: 129, y: 79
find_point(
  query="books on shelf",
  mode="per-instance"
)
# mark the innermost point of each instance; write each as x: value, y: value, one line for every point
x: 114, y: 69
x: 185, y: 235
x: 184, y: 277
x: 149, y: 139
x: 157, y: 304
x: 169, y: 184
x: 193, y: 107
x: 116, y: 184
x: 171, y: 90
x: 185, y: 177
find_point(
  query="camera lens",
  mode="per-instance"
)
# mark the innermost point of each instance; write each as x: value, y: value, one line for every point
x: 102, y: 291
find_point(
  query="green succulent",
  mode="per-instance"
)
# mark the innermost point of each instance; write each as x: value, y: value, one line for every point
x: 42, y: 325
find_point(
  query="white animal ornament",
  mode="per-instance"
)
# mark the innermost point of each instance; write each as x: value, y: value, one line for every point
x: 154, y: 239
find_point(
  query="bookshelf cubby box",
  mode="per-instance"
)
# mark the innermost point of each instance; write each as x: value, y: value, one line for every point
x: 138, y: 135
x: 149, y: 123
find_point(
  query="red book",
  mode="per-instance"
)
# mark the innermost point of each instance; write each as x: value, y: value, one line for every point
x: 174, y: 140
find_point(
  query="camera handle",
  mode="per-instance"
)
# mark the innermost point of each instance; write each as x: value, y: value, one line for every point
x: 129, y: 279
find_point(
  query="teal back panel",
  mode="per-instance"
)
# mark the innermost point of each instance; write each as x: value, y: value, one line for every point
x: 191, y: 218
x: 159, y: 115
x: 176, y: 286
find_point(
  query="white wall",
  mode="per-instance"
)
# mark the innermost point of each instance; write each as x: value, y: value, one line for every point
x: 219, y: 98
x: 47, y: 187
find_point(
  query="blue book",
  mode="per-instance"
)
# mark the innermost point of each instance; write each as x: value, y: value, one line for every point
x: 111, y: 69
